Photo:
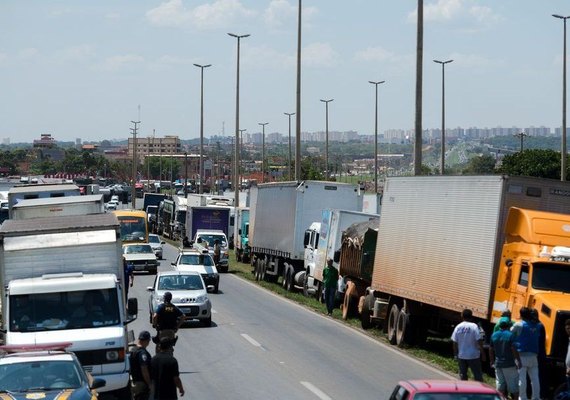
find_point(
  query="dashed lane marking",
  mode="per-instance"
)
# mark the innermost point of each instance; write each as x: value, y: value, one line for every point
x: 315, y: 390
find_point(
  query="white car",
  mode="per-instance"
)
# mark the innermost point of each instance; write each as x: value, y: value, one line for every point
x: 111, y: 206
x: 205, y: 239
x: 141, y: 257
x: 189, y: 294
x: 156, y: 244
x: 191, y: 260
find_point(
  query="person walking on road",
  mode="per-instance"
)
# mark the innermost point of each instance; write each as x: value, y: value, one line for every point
x: 165, y: 374
x: 468, y: 347
x: 167, y: 319
x: 503, y: 359
x: 140, y: 368
x: 330, y: 282
x: 526, y: 354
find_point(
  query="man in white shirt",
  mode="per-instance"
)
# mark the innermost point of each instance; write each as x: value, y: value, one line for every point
x: 468, y: 346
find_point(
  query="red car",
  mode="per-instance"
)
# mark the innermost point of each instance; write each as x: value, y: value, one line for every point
x: 444, y: 390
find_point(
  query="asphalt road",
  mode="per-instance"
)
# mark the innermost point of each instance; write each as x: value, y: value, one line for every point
x: 261, y: 346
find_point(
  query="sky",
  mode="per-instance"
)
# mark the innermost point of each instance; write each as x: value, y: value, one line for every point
x: 86, y: 69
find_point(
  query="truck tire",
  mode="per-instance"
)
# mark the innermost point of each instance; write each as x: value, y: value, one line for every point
x: 393, y: 323
x: 306, y: 285
x: 404, y: 329
x: 238, y: 256
x: 365, y: 316
x: 262, y: 269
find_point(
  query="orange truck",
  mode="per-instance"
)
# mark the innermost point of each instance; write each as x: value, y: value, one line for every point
x: 487, y: 243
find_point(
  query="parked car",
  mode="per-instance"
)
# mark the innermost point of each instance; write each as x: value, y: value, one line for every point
x: 156, y: 244
x: 201, y: 262
x: 44, y: 372
x: 141, y: 257
x: 189, y: 294
x: 429, y: 389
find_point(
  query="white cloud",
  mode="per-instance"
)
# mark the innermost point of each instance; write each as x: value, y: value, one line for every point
x: 3, y: 58
x: 78, y: 53
x: 375, y: 54
x: 281, y: 12
x: 266, y: 57
x: 117, y: 63
x: 457, y: 11
x: 473, y: 62
x: 219, y: 14
x: 28, y: 54
x: 319, y: 55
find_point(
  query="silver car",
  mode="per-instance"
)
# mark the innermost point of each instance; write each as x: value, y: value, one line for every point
x: 188, y: 294
x: 156, y: 244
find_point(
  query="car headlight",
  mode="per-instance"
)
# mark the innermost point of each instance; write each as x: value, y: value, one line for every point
x: 201, y: 299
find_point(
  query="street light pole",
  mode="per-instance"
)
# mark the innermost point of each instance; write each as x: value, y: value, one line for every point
x: 376, y: 83
x: 289, y: 163
x: 563, y: 151
x: 240, y: 177
x: 202, y: 124
x: 186, y: 174
x: 236, y: 172
x: 443, y: 112
x: 298, y: 106
x: 521, y: 135
x: 327, y: 138
x: 133, y: 189
x: 263, y: 151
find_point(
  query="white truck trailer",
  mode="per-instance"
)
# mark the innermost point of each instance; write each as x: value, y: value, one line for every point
x: 322, y: 240
x: 58, y: 206
x: 279, y: 215
x: 62, y: 280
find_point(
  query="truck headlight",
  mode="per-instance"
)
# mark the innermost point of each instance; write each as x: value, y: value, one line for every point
x: 112, y: 355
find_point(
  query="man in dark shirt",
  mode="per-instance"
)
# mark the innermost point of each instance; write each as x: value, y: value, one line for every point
x: 140, y: 368
x: 165, y: 374
x: 503, y: 359
x: 167, y: 319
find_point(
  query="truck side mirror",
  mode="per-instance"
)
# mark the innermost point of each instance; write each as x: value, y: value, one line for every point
x: 239, y: 231
x: 306, y: 238
x: 132, y: 306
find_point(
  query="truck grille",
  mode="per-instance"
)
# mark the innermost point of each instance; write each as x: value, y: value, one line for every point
x: 559, y: 336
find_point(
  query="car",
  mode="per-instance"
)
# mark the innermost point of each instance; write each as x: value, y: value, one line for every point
x: 189, y: 294
x: 432, y: 389
x: 115, y: 198
x: 111, y: 206
x: 204, y: 239
x: 201, y: 262
x: 45, y: 372
x: 156, y: 244
x: 141, y: 257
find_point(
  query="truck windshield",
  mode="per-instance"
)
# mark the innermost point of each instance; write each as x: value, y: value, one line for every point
x: 64, y: 310
x: 551, y: 276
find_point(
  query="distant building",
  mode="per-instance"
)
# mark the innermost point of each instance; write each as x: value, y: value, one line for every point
x: 167, y: 145
x: 46, y: 141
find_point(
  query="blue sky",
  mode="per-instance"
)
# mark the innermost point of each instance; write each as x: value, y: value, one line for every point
x: 80, y: 69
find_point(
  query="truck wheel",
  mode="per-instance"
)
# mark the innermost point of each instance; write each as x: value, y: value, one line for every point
x: 393, y: 323
x: 319, y: 295
x: 403, y: 329
x: 257, y: 267
x: 263, y: 267
x: 238, y: 256
x: 367, y: 307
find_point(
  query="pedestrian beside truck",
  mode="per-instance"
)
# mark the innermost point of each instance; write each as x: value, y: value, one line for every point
x: 526, y: 354
x: 468, y: 347
x: 330, y: 282
x: 502, y: 358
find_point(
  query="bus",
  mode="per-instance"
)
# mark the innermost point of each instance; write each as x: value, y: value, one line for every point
x: 134, y: 225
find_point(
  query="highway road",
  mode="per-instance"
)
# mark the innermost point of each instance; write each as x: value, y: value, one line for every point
x: 262, y: 346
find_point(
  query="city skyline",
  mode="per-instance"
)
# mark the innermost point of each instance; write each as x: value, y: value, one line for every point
x: 133, y: 61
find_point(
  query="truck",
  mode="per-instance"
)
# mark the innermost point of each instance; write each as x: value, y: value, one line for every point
x: 355, y: 263
x: 241, y: 234
x: 171, y: 217
x: 484, y: 243
x: 52, y: 293
x: 58, y: 206
x: 322, y: 240
x: 151, y: 202
x: 280, y: 213
x: 43, y: 191
x: 208, y: 218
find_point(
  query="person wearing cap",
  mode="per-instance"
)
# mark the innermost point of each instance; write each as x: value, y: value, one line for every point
x: 330, y: 282
x: 167, y: 319
x: 503, y: 359
x: 140, y: 360
x: 506, y: 313
x: 217, y: 252
x: 165, y: 373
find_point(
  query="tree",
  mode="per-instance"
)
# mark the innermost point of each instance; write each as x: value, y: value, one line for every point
x: 532, y: 162
x: 481, y: 165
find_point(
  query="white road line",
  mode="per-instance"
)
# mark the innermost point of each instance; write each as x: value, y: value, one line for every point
x: 315, y: 390
x: 251, y: 340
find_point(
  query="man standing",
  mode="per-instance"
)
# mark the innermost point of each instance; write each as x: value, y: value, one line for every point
x: 165, y: 374
x: 140, y: 368
x: 503, y: 359
x: 217, y: 252
x: 330, y: 282
x: 167, y: 319
x: 468, y: 346
x: 129, y: 276
x: 526, y: 354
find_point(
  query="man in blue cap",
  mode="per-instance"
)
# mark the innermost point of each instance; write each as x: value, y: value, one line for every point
x: 503, y: 359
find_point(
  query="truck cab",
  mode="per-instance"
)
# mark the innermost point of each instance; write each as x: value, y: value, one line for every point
x: 311, y: 242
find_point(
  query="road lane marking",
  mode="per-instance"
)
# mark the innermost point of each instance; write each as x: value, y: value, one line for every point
x: 315, y: 390
x: 252, y: 341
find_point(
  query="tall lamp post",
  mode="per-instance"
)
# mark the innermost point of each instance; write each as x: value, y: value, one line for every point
x: 563, y: 150
x: 443, y: 112
x: 133, y: 189
x: 298, y: 99
x: 240, y: 149
x: 376, y: 83
x: 327, y: 137
x: 521, y: 135
x: 289, y: 163
x: 263, y: 151
x: 186, y: 174
x: 236, y: 172
x: 202, y: 124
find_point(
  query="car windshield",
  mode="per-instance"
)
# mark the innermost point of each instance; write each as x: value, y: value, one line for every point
x: 196, y: 259
x: 456, y: 396
x: 63, y: 310
x: 137, y: 249
x: 36, y: 375
x: 180, y: 282
x: 551, y: 276
x: 210, y: 239
x: 153, y: 239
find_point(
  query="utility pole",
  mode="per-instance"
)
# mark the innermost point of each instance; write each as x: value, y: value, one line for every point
x: 289, y: 159
x: 563, y: 150
x: 202, y: 124
x: 240, y: 149
x: 521, y: 136
x: 327, y: 172
x: 443, y: 112
x: 419, y: 80
x: 186, y: 174
x: 263, y: 152
x: 298, y: 110
x: 133, y: 189
x: 376, y: 83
